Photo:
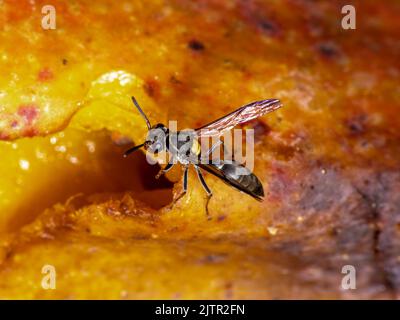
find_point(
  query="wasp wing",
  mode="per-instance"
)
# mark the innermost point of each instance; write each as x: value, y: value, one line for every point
x: 243, y: 114
x: 237, y: 176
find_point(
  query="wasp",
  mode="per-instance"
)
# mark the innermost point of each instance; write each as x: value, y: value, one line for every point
x: 184, y: 148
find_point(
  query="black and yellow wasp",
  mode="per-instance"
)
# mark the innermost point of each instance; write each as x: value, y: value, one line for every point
x: 184, y: 148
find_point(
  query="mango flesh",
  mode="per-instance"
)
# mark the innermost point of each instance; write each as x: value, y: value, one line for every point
x: 328, y: 159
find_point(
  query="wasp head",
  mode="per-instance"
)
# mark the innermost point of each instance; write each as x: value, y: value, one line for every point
x: 156, y: 139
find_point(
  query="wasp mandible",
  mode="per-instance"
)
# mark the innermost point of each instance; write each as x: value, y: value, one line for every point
x: 184, y: 147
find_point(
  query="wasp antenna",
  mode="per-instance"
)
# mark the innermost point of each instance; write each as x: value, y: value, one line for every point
x: 141, y: 112
x: 129, y: 151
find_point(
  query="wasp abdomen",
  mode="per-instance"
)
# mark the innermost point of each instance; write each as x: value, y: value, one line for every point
x: 238, y: 176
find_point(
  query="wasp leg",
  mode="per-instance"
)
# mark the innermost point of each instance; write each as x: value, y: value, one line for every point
x: 185, y: 185
x: 206, y: 188
x: 165, y: 170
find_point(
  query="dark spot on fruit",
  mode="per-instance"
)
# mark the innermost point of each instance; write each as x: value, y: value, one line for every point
x: 334, y: 232
x: 152, y: 88
x: 196, y: 45
x: 356, y: 125
x: 260, y: 128
x: 328, y: 50
x: 174, y: 80
x: 251, y: 13
x: 64, y: 62
x: 221, y: 218
x: 269, y: 28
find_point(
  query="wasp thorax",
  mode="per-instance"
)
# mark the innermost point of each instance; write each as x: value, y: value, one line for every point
x: 156, y: 139
x: 183, y: 146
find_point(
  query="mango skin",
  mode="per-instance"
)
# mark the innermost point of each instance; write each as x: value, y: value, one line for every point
x: 329, y: 159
